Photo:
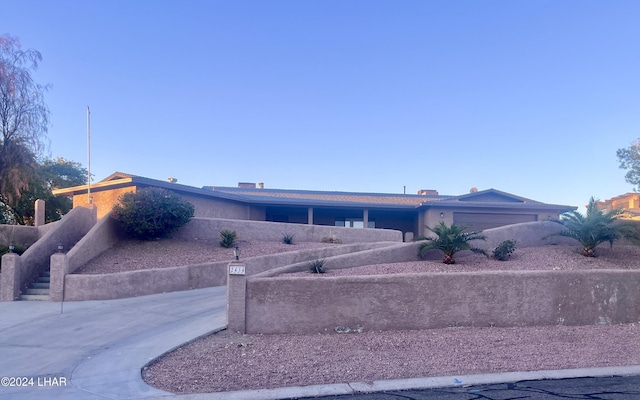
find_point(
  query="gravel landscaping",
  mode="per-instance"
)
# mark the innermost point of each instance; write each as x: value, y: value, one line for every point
x: 130, y: 255
x: 228, y: 361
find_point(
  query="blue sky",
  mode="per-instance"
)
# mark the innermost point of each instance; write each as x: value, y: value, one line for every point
x: 528, y: 97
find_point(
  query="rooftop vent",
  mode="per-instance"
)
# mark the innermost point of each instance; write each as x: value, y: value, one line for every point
x: 260, y: 185
x: 172, y: 180
x: 427, y: 192
x: 473, y: 190
x: 246, y: 185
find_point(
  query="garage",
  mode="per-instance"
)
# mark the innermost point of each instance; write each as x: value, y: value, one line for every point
x: 482, y: 221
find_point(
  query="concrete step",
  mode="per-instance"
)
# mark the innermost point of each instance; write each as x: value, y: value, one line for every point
x: 34, y: 297
x: 37, y: 291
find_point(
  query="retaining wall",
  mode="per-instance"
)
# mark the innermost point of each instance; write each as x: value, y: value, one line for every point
x: 24, y: 269
x: 282, y: 304
x: 209, y: 228
x: 100, y: 237
x: 20, y: 235
x: 143, y: 282
x: 422, y: 301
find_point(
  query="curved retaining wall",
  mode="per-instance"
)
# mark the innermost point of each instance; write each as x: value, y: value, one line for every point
x: 143, y: 282
x: 137, y: 283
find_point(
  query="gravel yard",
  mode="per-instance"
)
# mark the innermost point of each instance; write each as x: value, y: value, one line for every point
x: 130, y: 255
x: 229, y: 361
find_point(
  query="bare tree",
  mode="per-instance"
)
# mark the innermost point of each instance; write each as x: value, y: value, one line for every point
x: 24, y: 118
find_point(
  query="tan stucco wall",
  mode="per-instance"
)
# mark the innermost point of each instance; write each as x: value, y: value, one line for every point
x: 103, y: 200
x: 137, y: 283
x: 209, y: 228
x: 68, y: 231
x: 421, y: 301
x: 431, y: 217
x: 203, y: 207
x: 20, y: 235
x: 214, y: 208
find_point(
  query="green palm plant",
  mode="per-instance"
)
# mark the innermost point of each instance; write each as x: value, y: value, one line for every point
x: 450, y: 240
x: 596, y: 227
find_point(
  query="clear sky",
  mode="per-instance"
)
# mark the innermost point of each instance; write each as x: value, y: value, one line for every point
x: 529, y: 97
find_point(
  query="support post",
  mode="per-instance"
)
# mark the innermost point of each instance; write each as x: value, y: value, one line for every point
x: 310, y: 216
x: 10, y: 277
x: 39, y: 208
x: 365, y: 218
x: 236, y: 297
x: 59, y: 263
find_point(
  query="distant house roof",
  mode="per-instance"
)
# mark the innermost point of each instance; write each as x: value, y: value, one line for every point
x: 490, y: 198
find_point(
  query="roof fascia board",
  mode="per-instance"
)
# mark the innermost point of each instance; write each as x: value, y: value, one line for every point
x: 523, y: 206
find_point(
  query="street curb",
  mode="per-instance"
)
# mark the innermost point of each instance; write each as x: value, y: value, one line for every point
x: 407, y: 384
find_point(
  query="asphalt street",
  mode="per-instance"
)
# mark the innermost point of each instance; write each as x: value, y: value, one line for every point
x: 605, y: 388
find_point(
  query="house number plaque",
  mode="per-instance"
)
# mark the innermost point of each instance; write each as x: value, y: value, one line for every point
x: 236, y: 269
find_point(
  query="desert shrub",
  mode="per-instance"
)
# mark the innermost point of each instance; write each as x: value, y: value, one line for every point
x: 151, y: 213
x: 504, y: 250
x: 450, y: 240
x: 331, y: 239
x: 316, y: 266
x: 228, y: 238
x: 287, y: 238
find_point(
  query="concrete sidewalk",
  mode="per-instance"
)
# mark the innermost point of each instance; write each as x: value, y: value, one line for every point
x: 96, y: 349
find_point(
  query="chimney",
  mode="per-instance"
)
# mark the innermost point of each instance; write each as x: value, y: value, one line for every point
x: 247, y: 185
x: 172, y: 180
x: 473, y: 190
x: 260, y: 185
x: 427, y: 192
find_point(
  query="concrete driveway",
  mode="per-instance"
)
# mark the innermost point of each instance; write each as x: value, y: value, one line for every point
x: 94, y: 349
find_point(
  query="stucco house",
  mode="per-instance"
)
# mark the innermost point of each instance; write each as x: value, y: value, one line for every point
x: 409, y: 213
x: 629, y: 202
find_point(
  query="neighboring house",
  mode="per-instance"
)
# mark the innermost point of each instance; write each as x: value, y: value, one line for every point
x: 405, y: 212
x: 629, y: 202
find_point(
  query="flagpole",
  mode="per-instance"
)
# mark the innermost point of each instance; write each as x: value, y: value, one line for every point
x: 89, y: 156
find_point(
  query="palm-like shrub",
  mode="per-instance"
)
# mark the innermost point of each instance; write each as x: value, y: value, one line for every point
x: 450, y: 240
x: 596, y: 227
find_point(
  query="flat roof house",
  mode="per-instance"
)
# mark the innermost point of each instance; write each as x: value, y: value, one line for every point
x: 405, y: 212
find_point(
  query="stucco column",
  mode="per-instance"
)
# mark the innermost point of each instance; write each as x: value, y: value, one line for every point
x: 59, y: 263
x: 236, y: 297
x: 10, y: 277
x: 39, y: 208
x: 365, y: 218
x: 310, y: 216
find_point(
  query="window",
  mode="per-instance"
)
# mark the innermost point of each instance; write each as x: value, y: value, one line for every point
x: 354, y: 223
